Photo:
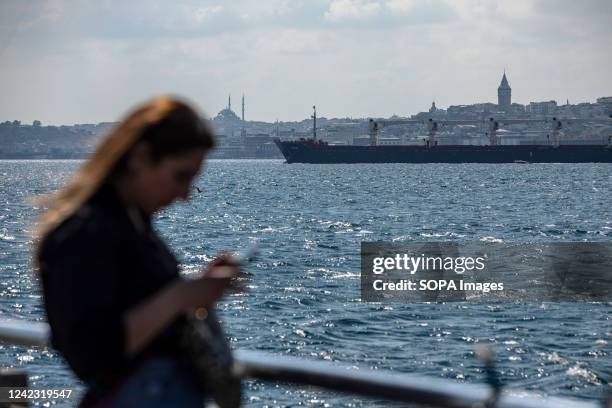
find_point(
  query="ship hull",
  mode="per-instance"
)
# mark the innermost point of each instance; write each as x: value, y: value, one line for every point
x: 310, y: 152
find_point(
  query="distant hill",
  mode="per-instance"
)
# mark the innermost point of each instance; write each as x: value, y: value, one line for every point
x: 36, y: 141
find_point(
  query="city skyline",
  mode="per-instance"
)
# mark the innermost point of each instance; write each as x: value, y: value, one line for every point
x: 88, y: 63
x: 504, y: 103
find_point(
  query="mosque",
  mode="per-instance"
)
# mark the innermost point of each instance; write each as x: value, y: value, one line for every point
x: 227, y: 122
x: 227, y: 114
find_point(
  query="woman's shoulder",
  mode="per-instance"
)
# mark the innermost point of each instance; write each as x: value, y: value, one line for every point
x: 90, y: 226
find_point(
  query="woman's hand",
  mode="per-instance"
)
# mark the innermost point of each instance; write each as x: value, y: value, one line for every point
x: 218, y: 277
x: 147, y: 319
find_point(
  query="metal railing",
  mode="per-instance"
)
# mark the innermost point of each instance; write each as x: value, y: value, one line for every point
x: 420, y: 390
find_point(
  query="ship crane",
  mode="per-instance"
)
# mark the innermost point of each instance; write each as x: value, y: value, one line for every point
x: 433, y: 126
x: 492, y: 126
x: 314, y: 123
x: 375, y: 125
x: 558, y: 123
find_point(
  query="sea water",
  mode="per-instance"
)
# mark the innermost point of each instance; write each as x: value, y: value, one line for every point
x: 304, y: 294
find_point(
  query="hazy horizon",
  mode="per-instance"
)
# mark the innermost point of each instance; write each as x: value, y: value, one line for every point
x: 88, y: 62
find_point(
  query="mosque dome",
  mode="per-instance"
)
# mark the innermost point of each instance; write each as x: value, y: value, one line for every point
x: 227, y: 115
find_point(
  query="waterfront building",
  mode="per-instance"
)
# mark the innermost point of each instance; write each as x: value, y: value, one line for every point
x: 605, y: 103
x: 541, y: 108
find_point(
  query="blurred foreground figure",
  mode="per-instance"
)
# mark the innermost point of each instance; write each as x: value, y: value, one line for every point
x: 114, y: 299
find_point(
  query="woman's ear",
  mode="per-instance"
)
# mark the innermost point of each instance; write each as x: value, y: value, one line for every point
x: 140, y: 158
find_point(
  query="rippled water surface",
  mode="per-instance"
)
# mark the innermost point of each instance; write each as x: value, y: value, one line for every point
x: 304, y: 297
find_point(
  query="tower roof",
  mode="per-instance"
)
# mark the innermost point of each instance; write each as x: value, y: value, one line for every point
x: 504, y: 82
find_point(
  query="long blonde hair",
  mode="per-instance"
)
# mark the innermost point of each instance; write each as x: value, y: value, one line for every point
x: 170, y: 125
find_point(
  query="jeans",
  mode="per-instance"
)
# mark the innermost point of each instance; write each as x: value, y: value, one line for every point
x: 160, y: 382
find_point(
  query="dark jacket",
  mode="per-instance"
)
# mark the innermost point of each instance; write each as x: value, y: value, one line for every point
x: 95, y: 266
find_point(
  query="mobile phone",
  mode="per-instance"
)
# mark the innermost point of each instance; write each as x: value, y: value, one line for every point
x: 247, y: 254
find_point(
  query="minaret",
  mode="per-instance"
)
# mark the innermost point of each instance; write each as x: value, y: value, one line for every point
x: 229, y: 102
x: 243, y: 127
x: 504, y: 93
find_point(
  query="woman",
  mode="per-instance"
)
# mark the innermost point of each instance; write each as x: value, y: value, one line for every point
x: 112, y: 291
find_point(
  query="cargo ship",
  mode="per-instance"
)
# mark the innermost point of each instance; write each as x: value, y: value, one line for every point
x: 312, y: 150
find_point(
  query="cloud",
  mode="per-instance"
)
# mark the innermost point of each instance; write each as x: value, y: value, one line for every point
x: 401, y: 6
x: 202, y: 14
x: 388, y: 14
x: 87, y: 61
x: 340, y: 10
x: 190, y: 18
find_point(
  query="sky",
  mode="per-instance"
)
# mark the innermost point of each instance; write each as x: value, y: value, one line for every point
x: 88, y: 61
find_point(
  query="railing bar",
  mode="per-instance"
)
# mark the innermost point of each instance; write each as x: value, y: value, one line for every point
x: 393, y: 386
x: 407, y: 388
